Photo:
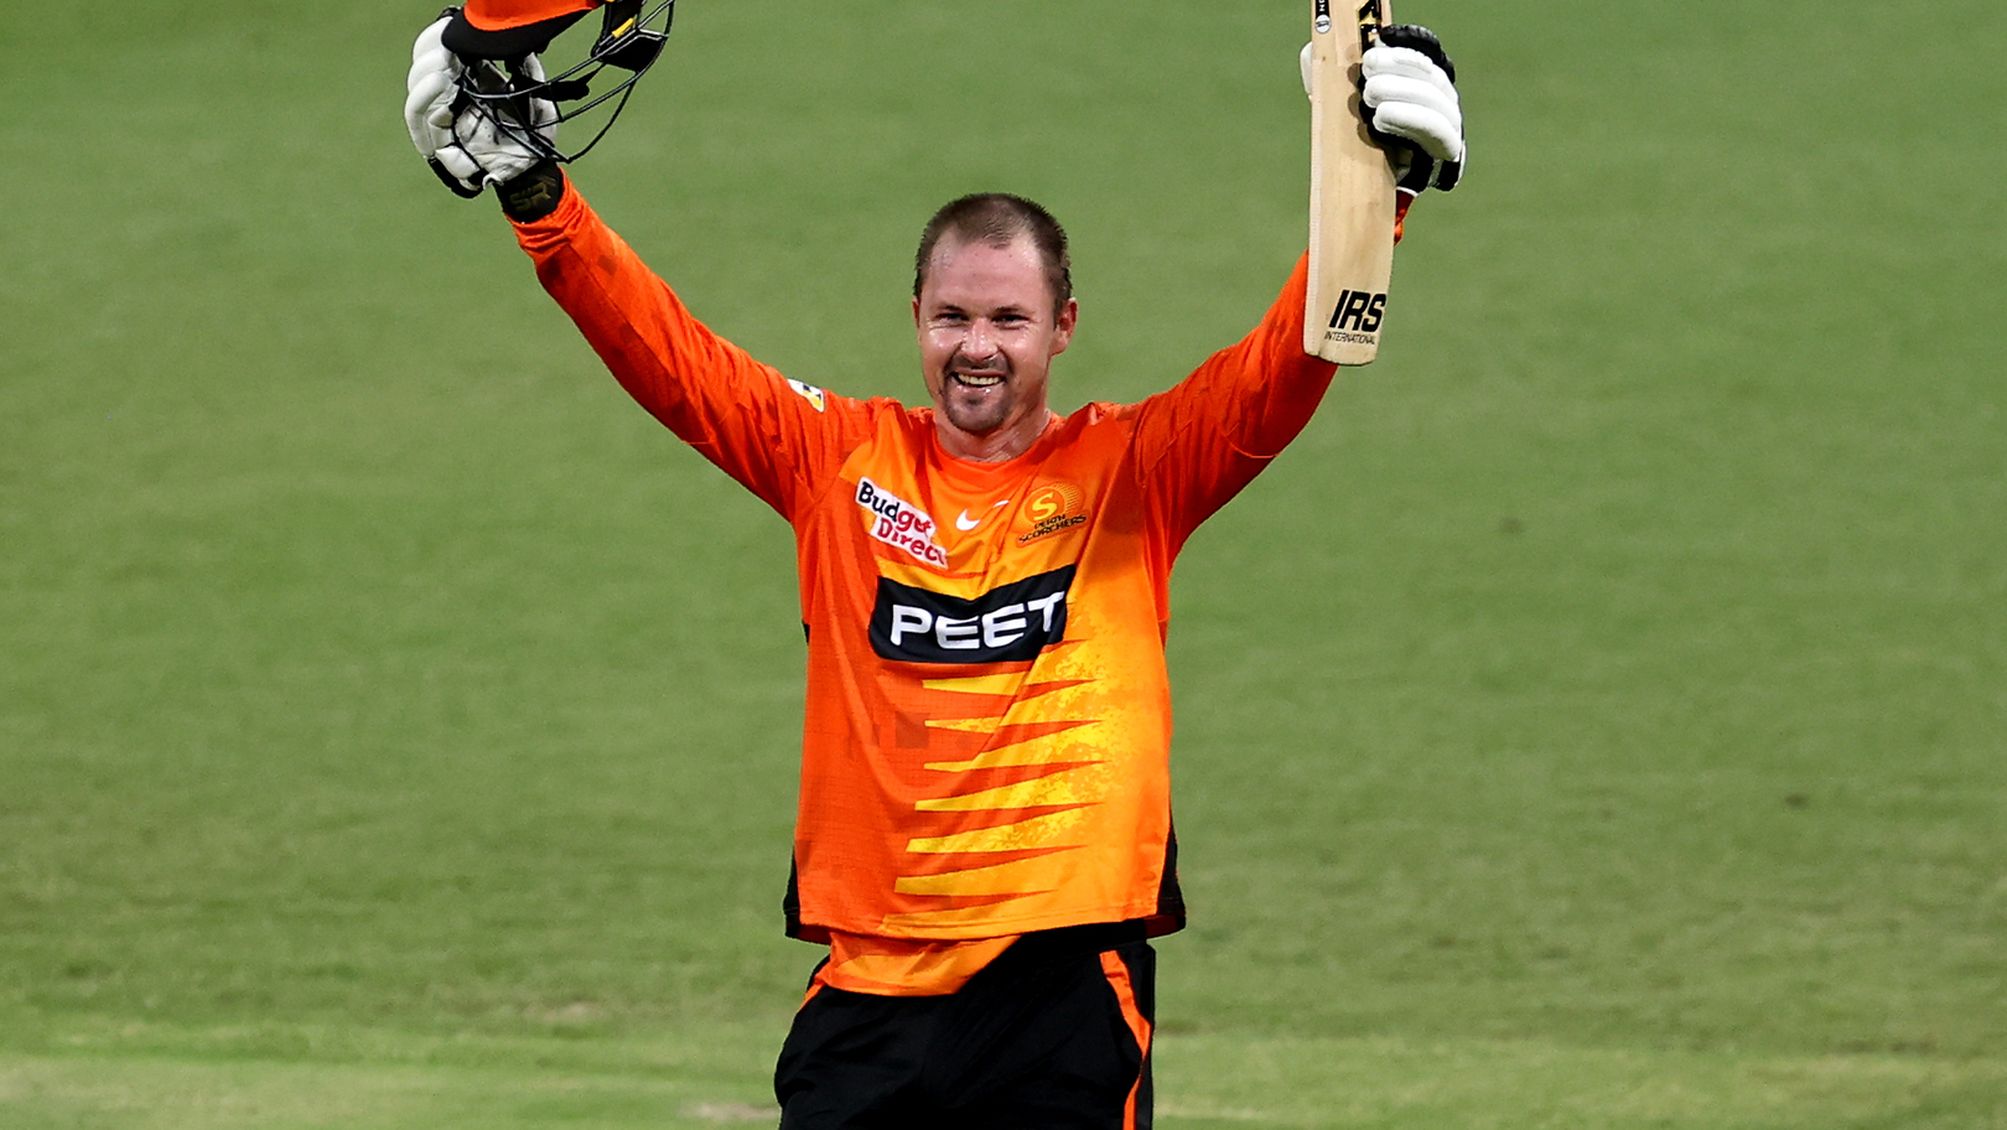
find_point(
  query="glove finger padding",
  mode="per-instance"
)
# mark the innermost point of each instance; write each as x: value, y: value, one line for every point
x: 1436, y: 133
x: 436, y: 61
x: 430, y: 94
x: 1413, y: 100
x: 1409, y: 84
x: 1406, y: 63
x: 430, y: 84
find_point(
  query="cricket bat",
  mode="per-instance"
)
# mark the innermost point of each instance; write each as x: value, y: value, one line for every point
x: 1351, y: 191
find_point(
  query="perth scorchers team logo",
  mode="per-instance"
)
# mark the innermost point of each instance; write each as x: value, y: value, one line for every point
x: 1049, y: 509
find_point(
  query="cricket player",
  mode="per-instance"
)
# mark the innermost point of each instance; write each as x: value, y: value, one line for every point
x: 984, y: 838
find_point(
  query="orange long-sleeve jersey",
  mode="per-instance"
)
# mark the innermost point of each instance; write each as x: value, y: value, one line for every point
x: 988, y: 718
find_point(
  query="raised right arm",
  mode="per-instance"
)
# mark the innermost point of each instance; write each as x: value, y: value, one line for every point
x: 775, y: 436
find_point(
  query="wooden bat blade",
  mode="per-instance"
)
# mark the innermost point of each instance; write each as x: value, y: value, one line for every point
x: 1351, y: 191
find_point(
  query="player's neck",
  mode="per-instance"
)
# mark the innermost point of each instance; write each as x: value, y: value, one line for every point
x: 1000, y: 445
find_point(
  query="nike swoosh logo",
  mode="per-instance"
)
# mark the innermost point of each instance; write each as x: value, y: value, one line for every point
x: 965, y: 523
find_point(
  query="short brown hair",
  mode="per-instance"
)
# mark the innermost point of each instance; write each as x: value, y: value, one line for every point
x: 997, y: 218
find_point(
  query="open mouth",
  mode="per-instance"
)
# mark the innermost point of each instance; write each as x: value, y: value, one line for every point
x: 977, y: 380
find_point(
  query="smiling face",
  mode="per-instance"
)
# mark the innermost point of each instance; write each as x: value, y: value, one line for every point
x: 987, y: 328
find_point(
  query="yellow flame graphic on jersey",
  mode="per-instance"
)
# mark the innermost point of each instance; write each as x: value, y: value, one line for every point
x: 1048, y: 812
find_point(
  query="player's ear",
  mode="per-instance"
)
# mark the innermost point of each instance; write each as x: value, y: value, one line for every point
x: 916, y: 311
x: 1062, y: 337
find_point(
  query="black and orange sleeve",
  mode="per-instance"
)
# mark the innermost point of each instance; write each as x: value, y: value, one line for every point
x: 779, y: 438
x: 1199, y: 442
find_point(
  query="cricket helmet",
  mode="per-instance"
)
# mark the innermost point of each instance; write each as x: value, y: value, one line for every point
x: 497, y: 38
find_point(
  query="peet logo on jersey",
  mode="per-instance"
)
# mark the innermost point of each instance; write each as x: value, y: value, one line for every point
x: 1011, y: 623
x: 1050, y: 508
x: 1357, y: 316
x: 900, y: 524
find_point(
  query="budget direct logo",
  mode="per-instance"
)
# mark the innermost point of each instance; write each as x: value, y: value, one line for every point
x: 1051, y: 508
x: 900, y: 524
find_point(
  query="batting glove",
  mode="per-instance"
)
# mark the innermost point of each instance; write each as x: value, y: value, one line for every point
x: 1410, y: 88
x: 471, y: 144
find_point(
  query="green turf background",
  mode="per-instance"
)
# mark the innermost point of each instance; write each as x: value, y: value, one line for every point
x: 1597, y: 719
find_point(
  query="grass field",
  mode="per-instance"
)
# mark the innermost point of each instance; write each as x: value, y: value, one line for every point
x: 1597, y: 720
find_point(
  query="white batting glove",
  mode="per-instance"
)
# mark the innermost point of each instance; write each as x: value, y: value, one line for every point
x: 1410, y: 87
x: 482, y: 144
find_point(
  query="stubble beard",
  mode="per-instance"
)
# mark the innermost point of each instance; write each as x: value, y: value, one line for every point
x: 982, y: 411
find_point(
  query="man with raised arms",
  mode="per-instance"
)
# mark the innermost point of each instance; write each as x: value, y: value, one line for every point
x: 984, y: 837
